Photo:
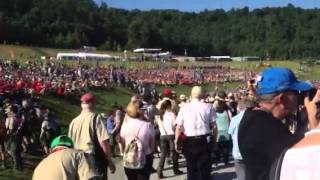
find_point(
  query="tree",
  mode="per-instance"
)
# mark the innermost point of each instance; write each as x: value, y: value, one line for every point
x: 287, y: 32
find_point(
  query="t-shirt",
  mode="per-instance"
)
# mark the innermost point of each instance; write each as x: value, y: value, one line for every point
x: 261, y: 139
x: 133, y: 127
x: 301, y: 164
x: 233, y: 131
x: 81, y: 131
x: 167, y: 124
x: 67, y: 164
x: 222, y: 121
x: 109, y: 124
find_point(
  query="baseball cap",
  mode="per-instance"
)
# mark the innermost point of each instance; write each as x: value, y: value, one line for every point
x: 87, y: 98
x: 182, y: 97
x: 62, y: 140
x: 167, y: 92
x: 277, y: 79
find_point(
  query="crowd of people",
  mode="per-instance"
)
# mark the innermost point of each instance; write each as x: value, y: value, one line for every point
x: 262, y: 125
x: 185, y: 75
x: 52, y: 78
x: 26, y: 125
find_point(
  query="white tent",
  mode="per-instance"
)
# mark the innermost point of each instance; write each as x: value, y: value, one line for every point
x: 146, y: 50
x: 83, y: 56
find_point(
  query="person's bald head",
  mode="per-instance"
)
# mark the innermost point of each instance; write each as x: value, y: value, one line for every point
x: 196, y: 92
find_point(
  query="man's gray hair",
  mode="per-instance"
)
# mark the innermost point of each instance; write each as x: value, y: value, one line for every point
x: 266, y: 97
x: 246, y: 103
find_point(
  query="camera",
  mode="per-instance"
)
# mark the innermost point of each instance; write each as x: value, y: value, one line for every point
x: 310, y: 94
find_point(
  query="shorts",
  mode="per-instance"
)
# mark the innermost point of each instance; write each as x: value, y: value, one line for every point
x: 112, y: 140
x: 117, y: 138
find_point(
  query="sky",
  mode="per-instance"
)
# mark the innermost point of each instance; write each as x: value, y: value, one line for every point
x: 199, y: 5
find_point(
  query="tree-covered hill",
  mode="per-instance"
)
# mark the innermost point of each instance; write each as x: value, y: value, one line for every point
x: 276, y: 33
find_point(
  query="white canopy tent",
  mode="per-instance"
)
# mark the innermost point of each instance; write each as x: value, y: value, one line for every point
x: 146, y: 50
x: 85, y: 56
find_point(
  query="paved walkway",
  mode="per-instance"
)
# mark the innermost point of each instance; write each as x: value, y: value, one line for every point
x: 219, y: 173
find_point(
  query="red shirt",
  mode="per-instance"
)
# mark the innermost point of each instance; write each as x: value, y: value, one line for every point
x: 60, y: 90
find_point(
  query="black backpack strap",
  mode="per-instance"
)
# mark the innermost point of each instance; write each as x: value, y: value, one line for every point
x: 100, y: 157
x: 95, y: 136
x: 275, y: 170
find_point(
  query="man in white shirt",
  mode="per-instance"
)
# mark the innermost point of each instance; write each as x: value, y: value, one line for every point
x: 197, y: 121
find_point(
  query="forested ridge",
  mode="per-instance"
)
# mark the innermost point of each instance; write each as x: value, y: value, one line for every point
x: 278, y: 33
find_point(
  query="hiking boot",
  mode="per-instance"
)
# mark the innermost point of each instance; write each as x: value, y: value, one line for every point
x: 177, y: 172
x: 153, y: 170
x: 4, y: 165
x: 160, y: 175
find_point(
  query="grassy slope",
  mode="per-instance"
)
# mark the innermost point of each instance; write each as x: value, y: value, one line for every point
x: 65, y: 112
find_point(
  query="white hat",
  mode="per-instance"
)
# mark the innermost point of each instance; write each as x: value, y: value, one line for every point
x: 103, y: 115
x: 182, y: 97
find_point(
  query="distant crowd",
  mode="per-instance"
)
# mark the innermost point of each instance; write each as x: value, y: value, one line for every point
x: 51, y: 78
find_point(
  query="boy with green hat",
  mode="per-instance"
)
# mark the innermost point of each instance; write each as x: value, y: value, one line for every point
x: 64, y: 163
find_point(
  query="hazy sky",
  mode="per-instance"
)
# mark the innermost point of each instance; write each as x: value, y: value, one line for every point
x: 198, y: 5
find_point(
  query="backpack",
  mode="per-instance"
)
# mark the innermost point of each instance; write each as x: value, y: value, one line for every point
x: 99, y: 156
x: 134, y: 156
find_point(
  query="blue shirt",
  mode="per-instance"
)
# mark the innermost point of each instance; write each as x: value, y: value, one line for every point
x: 109, y: 124
x: 233, y: 131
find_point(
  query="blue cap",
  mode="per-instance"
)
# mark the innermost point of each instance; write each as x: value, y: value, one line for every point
x: 277, y: 79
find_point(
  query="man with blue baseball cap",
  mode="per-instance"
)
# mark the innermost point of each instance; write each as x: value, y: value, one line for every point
x: 262, y: 136
x: 279, y: 79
